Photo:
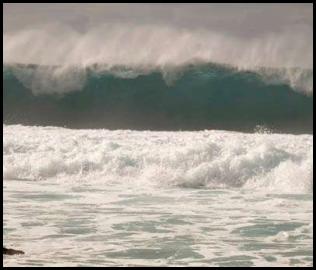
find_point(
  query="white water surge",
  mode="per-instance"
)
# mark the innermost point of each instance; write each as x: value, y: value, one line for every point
x: 141, y: 198
x: 210, y: 159
x: 155, y: 198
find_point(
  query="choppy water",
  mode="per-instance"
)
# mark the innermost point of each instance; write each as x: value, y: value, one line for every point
x: 129, y: 198
x: 87, y: 226
x: 87, y: 184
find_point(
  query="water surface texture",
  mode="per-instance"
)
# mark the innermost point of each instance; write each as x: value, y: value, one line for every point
x: 139, y: 198
x: 158, y: 134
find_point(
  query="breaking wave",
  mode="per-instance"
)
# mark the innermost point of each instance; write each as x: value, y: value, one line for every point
x: 204, y: 159
x: 189, y: 97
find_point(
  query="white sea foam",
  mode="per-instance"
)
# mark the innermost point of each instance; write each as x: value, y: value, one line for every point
x: 268, y: 162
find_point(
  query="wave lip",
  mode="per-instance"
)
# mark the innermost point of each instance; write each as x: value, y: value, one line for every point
x: 205, y: 159
x: 193, y: 97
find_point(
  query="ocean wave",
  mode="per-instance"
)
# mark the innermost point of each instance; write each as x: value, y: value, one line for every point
x: 159, y: 47
x: 205, y: 159
x: 189, y: 97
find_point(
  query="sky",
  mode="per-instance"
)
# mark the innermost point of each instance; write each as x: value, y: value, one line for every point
x: 236, y: 19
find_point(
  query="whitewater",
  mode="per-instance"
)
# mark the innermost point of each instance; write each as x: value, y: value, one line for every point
x: 205, y: 159
x: 142, y: 198
x: 130, y: 144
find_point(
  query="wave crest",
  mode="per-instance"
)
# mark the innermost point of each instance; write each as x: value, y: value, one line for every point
x: 191, y: 97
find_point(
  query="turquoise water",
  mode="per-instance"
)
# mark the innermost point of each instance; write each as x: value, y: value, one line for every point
x: 193, y: 97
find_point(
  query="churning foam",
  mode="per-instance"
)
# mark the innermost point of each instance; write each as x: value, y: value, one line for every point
x: 204, y: 159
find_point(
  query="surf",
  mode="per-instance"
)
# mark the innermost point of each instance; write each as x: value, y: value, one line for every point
x: 148, y: 159
x: 190, y: 97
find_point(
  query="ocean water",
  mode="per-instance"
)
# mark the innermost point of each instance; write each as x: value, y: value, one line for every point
x: 149, y: 137
x: 195, y: 151
x: 194, y: 96
x: 100, y: 197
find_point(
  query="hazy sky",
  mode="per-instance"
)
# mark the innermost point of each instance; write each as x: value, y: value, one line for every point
x: 235, y: 19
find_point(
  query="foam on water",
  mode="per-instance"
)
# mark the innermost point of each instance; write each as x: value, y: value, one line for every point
x: 141, y: 198
x: 124, y: 225
x: 209, y: 159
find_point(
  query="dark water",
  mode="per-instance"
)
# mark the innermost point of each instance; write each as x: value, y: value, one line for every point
x: 198, y: 97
